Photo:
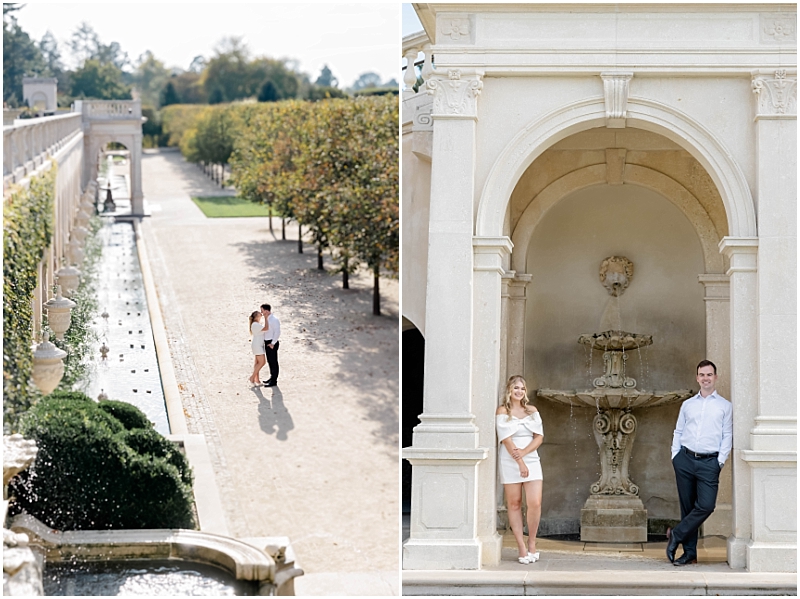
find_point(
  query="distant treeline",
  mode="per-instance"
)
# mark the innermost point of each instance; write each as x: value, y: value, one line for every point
x: 107, y: 73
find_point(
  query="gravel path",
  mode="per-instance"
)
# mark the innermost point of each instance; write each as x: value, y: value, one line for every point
x: 315, y: 459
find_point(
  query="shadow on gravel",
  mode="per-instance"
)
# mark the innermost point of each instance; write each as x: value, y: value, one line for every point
x: 335, y: 321
x: 273, y: 415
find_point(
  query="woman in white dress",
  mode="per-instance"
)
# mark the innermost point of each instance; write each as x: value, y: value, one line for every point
x: 520, y: 432
x: 257, y: 346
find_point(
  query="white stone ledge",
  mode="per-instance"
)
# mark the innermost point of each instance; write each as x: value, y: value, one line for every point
x: 776, y: 457
x: 605, y: 582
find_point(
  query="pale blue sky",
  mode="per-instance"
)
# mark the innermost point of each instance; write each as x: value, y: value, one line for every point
x: 411, y: 23
x: 351, y: 38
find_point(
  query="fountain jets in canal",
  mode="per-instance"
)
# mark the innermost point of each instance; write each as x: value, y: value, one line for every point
x: 613, y: 512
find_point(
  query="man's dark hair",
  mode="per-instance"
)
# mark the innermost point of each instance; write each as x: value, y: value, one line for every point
x: 699, y: 366
x: 268, y: 308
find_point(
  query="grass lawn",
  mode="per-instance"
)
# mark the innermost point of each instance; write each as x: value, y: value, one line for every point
x: 230, y: 206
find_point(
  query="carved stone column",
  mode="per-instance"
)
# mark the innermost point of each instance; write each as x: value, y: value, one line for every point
x: 446, y: 452
x: 489, y: 255
x: 772, y: 456
x: 742, y: 253
x: 718, y: 342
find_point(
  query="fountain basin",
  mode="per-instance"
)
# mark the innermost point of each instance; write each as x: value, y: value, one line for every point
x: 271, y: 570
x: 145, y: 578
x: 614, y: 399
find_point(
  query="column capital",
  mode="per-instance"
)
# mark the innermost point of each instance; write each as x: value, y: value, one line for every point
x: 455, y: 96
x: 490, y: 252
x: 717, y: 286
x: 776, y: 94
x: 742, y: 253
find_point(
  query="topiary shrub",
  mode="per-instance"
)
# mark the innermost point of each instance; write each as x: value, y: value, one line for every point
x: 130, y: 416
x: 94, y: 472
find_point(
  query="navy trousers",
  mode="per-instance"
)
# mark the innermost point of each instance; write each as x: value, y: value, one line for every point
x: 272, y: 360
x: 698, y: 482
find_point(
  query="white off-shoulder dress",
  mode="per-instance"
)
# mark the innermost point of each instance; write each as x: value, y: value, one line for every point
x: 521, y: 431
x: 257, y: 344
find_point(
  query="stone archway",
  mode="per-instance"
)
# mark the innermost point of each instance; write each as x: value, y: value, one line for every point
x: 652, y: 116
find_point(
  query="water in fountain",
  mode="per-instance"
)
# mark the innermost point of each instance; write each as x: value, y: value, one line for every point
x: 141, y: 578
x: 130, y: 372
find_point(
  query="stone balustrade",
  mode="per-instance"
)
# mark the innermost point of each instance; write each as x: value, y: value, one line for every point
x: 109, y: 109
x: 27, y: 143
x: 413, y: 45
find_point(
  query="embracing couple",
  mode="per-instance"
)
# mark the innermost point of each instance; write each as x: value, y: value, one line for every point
x: 266, y: 330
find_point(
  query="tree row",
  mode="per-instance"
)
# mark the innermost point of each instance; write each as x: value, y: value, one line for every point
x: 331, y: 166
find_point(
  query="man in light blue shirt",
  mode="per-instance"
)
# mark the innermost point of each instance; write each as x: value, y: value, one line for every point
x: 700, y: 445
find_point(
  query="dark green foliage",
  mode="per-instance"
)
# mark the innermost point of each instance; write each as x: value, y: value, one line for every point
x: 70, y: 396
x: 99, y: 80
x: 130, y: 416
x: 21, y: 56
x: 170, y: 95
x: 27, y: 231
x: 93, y: 473
x: 268, y: 93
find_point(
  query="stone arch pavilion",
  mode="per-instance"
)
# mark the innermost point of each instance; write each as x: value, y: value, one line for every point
x: 545, y: 139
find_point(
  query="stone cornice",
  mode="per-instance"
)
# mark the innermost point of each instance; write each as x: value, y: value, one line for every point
x: 456, y: 95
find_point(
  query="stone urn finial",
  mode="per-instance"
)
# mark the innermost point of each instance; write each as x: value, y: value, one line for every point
x: 68, y: 278
x: 616, y: 273
x: 59, y: 313
x: 48, y: 365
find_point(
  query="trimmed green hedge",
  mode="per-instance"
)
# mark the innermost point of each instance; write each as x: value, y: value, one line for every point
x: 101, y: 466
x: 27, y: 232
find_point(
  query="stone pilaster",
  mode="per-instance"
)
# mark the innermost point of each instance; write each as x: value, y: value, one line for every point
x: 489, y: 253
x: 137, y: 197
x: 718, y: 341
x: 446, y: 451
x: 772, y: 456
x: 742, y: 253
x: 516, y: 325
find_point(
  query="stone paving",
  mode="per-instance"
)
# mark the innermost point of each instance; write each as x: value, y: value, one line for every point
x: 316, y: 458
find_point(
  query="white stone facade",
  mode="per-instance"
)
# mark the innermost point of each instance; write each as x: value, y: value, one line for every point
x: 40, y: 94
x: 544, y: 139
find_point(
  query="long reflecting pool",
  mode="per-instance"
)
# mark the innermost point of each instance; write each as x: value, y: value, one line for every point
x: 129, y: 371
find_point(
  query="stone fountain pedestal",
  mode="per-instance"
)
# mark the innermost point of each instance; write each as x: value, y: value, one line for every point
x: 613, y: 513
x: 614, y: 519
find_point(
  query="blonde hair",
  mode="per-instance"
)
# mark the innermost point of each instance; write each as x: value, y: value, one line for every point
x: 507, y: 395
x: 253, y: 318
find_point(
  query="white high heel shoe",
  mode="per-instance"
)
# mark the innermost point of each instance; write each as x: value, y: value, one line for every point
x: 533, y: 557
x: 526, y: 559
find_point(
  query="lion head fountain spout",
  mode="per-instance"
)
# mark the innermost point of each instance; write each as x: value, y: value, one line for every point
x: 614, y: 395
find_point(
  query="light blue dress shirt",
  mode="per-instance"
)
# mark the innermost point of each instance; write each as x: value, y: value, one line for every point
x: 705, y: 425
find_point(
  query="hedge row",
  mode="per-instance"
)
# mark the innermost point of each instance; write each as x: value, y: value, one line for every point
x: 27, y: 232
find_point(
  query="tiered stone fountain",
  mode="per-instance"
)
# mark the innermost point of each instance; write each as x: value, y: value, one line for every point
x: 613, y: 512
